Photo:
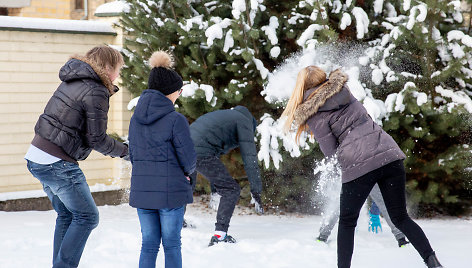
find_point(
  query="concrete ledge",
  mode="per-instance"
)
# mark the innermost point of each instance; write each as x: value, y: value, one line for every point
x: 114, y: 197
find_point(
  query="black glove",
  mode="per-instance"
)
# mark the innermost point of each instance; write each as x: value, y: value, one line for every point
x: 125, y: 154
x: 256, y: 200
x: 126, y: 157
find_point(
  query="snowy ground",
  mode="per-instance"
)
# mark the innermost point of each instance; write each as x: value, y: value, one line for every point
x: 271, y: 241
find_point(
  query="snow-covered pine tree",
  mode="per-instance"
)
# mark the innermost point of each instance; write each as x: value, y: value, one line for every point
x: 422, y: 68
x: 418, y: 60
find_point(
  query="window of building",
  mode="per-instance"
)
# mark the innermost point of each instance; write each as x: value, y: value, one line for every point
x: 79, y: 4
x: 3, y: 11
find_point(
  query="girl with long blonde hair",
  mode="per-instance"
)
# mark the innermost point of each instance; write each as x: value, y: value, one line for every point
x: 367, y: 155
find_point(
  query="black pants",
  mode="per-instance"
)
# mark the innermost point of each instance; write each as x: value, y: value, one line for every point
x: 215, y: 171
x: 391, y: 181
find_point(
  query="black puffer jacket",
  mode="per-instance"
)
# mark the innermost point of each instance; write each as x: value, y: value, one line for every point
x: 75, y: 118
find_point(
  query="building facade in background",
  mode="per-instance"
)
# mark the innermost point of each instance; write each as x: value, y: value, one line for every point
x: 52, y: 9
x: 32, y: 50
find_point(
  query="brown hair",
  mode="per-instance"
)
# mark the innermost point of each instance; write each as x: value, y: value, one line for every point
x: 106, y: 57
x: 308, y: 77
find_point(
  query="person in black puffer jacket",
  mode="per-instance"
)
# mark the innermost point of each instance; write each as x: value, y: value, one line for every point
x: 366, y: 153
x: 73, y: 124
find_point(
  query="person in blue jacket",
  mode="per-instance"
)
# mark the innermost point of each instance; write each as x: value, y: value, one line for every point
x: 162, y: 156
x: 215, y: 134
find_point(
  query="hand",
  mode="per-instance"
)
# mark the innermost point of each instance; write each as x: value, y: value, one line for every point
x: 126, y: 157
x: 374, y: 223
x: 256, y: 200
x: 188, y: 179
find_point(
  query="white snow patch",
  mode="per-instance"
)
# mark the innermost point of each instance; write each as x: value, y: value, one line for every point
x: 271, y: 30
x: 113, y: 7
x: 457, y: 97
x: 239, y: 6
x: 190, y: 89
x: 377, y: 76
x: 229, y: 41
x: 275, y: 52
x: 406, y: 4
x: 132, y: 103
x: 56, y: 24
x: 378, y: 6
x: 362, y: 22
x: 262, y: 69
x: 271, y: 240
x: 345, y: 21
x: 215, y: 31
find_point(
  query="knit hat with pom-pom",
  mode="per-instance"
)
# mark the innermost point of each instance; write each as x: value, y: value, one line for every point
x: 162, y: 77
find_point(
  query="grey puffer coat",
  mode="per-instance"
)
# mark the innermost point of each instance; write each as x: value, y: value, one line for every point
x: 342, y: 126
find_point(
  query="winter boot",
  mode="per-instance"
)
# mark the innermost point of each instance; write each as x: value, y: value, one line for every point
x: 187, y: 224
x: 432, y: 262
x: 215, y: 240
x: 402, y: 242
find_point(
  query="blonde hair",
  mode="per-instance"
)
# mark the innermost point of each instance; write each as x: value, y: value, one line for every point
x: 105, y: 57
x: 308, y: 77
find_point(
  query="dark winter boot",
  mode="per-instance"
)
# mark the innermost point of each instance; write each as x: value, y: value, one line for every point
x: 215, y: 240
x: 186, y: 224
x: 432, y: 262
x: 402, y: 242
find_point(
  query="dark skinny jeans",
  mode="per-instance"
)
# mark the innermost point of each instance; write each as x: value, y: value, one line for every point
x: 216, y: 173
x: 391, y: 181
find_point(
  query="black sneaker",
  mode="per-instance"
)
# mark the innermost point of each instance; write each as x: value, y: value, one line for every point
x: 402, y: 242
x: 214, y: 240
x: 432, y: 262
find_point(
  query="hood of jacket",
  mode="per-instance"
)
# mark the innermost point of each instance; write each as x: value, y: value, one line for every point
x: 152, y: 106
x: 247, y: 114
x: 82, y: 68
x: 320, y: 99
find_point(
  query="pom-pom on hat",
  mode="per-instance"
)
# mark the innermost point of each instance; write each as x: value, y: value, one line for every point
x: 162, y: 77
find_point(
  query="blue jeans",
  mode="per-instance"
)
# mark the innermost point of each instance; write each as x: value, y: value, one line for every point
x: 77, y: 214
x: 157, y: 224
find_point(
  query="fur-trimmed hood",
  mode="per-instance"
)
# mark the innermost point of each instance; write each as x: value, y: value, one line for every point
x: 79, y: 67
x: 313, y: 103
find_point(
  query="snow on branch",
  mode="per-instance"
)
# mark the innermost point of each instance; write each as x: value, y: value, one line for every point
x: 457, y: 97
x: 362, y: 22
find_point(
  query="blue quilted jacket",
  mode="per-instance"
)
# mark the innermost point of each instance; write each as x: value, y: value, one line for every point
x: 161, y: 152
